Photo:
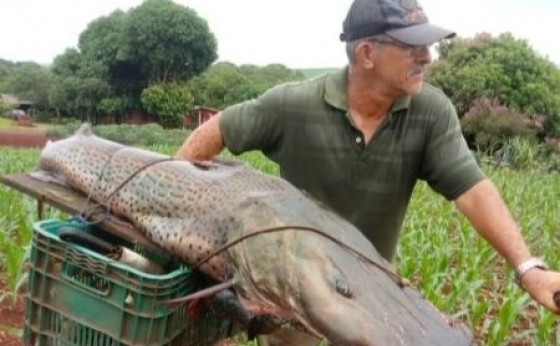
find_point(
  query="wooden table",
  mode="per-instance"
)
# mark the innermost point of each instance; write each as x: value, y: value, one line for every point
x: 72, y: 201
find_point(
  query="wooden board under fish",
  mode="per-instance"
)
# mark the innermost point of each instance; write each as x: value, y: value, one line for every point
x: 72, y: 202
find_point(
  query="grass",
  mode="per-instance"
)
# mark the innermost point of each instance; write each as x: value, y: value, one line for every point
x: 441, y: 254
x: 17, y: 214
x: 8, y: 124
x: 461, y: 274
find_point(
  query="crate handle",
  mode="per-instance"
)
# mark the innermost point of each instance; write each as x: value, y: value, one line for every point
x: 85, y: 279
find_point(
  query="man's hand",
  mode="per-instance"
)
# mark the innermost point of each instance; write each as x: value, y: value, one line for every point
x: 205, y: 142
x: 542, y: 285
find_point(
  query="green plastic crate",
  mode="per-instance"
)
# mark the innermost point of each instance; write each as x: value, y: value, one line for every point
x: 78, y: 297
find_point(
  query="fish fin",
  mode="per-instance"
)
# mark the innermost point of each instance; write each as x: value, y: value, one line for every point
x: 228, y: 161
x: 85, y: 130
x: 47, y: 177
x: 204, y: 293
x: 204, y: 165
x: 216, y: 162
x: 227, y: 304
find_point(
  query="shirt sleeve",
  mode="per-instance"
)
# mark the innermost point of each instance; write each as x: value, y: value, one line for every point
x: 448, y: 165
x: 254, y: 124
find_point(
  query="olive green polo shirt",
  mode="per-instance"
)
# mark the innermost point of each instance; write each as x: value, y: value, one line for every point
x: 305, y: 128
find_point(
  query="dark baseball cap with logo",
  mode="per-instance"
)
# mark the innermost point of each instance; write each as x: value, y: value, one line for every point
x: 402, y: 20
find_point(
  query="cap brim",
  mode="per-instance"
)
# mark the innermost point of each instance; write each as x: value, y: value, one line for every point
x: 421, y: 34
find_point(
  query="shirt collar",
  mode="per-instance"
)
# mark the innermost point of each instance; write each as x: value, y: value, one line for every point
x: 335, y: 92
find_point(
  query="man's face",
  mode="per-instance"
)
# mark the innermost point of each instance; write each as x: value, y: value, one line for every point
x: 400, y: 66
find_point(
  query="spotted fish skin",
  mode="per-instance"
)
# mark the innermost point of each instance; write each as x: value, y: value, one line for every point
x: 183, y: 207
x: 193, y: 209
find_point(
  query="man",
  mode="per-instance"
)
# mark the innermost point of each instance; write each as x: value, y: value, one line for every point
x: 358, y: 139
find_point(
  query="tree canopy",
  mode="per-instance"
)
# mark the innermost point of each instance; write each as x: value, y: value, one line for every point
x: 28, y: 80
x: 224, y: 83
x: 123, y: 53
x: 168, y: 42
x: 501, y: 87
x: 502, y: 68
x: 156, y: 57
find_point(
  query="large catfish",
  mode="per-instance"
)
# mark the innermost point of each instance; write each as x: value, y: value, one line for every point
x: 279, y: 252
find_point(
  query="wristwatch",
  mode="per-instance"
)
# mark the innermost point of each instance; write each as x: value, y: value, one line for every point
x: 528, y: 264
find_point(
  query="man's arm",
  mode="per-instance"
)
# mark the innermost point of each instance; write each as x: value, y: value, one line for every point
x: 204, y: 143
x: 487, y: 212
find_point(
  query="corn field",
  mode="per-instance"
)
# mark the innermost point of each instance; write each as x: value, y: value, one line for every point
x: 439, y: 251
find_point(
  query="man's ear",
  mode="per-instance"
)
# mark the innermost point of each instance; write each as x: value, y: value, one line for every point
x: 366, y: 54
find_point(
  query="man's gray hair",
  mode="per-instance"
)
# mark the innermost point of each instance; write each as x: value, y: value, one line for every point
x: 352, y: 45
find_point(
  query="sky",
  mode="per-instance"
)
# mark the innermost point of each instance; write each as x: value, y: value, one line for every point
x: 296, y: 33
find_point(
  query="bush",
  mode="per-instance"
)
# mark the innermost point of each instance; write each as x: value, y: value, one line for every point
x: 491, y: 124
x: 520, y: 153
x: 63, y: 130
x: 4, y: 108
x: 169, y: 102
x: 133, y: 135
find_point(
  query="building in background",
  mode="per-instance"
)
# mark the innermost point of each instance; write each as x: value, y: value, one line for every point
x: 199, y: 115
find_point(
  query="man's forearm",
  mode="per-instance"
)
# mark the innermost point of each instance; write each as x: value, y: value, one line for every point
x: 487, y: 212
x: 489, y: 215
x: 204, y: 143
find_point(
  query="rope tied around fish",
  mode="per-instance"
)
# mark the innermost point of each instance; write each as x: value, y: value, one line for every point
x: 87, y: 213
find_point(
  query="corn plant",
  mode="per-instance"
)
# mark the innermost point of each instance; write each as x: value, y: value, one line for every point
x: 17, y: 215
x: 439, y: 251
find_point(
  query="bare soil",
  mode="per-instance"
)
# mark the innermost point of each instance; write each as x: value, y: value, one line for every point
x: 11, y: 318
x: 24, y: 138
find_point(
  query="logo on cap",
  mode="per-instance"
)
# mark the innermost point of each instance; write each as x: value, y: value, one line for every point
x: 409, y: 5
x: 413, y: 10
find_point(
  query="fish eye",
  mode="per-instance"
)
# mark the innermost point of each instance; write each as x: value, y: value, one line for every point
x: 342, y: 288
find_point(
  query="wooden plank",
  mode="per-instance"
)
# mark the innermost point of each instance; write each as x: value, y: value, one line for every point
x: 72, y: 202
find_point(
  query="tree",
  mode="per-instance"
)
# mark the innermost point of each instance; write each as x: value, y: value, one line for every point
x: 265, y: 77
x: 224, y: 84
x: 80, y: 86
x: 221, y: 85
x: 102, y: 48
x: 167, y: 42
x: 120, y: 55
x: 102, y: 41
x: 64, y: 95
x: 169, y: 102
x: 30, y: 81
x: 68, y: 63
x: 6, y: 68
x: 501, y: 68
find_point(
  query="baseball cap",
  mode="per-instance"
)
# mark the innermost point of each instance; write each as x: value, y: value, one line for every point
x: 403, y: 20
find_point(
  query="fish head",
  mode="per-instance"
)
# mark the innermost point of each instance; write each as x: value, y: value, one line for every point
x: 339, y: 288
x: 355, y: 298
x: 342, y: 296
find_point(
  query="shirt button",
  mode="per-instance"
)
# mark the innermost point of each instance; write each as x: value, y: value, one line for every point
x: 358, y: 139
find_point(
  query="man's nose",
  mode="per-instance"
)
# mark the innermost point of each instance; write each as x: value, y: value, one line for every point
x: 423, y: 55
